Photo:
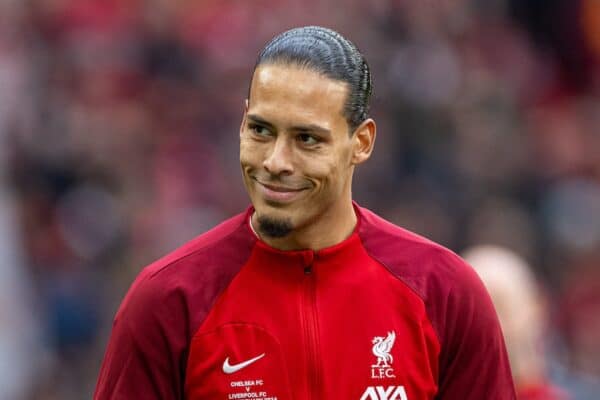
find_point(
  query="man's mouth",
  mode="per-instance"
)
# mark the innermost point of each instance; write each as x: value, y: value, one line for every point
x: 279, y: 193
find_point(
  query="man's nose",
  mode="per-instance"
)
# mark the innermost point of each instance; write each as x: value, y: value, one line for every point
x: 279, y: 160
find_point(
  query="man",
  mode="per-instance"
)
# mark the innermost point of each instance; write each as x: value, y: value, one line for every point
x: 306, y: 295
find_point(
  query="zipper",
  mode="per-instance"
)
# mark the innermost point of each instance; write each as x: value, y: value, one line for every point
x: 311, y: 330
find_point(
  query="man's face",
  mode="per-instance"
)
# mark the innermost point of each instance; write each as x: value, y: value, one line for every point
x: 295, y: 147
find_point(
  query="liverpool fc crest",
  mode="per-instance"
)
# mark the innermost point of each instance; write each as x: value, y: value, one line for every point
x: 381, y: 349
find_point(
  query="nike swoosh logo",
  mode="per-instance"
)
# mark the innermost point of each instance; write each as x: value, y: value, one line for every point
x: 230, y: 369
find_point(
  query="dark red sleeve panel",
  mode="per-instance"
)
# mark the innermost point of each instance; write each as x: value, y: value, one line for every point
x: 145, y: 349
x: 473, y: 362
x: 149, y: 345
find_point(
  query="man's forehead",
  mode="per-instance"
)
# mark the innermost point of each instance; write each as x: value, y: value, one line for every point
x: 290, y: 96
x: 296, y: 82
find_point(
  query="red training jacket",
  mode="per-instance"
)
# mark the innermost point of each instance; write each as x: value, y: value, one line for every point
x: 384, y: 315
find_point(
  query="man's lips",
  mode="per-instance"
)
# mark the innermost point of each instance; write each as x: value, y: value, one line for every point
x: 279, y: 193
x: 277, y: 188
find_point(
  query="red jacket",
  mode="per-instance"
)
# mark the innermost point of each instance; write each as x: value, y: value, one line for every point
x: 385, y: 314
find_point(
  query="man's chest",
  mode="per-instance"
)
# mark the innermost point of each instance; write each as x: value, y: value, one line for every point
x: 360, y: 337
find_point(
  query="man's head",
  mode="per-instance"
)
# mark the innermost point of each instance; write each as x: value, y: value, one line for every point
x: 304, y: 129
x: 327, y: 52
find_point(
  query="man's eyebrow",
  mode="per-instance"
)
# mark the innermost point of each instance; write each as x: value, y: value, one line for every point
x: 311, y: 128
x: 259, y: 120
x: 298, y: 128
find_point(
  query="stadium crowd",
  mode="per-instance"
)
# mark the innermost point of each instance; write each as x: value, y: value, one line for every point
x: 119, y: 141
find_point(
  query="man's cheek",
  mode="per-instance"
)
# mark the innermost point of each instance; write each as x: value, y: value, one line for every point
x: 249, y: 153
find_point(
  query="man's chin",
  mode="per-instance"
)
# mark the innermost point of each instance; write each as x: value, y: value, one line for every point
x: 274, y: 227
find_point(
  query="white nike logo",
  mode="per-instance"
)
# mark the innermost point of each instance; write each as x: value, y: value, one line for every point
x: 230, y: 369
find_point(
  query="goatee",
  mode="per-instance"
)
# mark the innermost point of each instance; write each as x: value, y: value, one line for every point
x: 274, y: 228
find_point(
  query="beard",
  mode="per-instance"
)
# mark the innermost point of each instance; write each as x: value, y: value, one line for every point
x: 274, y: 228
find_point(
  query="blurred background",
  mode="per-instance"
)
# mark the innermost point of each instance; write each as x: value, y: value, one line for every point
x: 119, y: 141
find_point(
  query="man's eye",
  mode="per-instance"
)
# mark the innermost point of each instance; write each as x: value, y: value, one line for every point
x: 259, y: 130
x: 308, y: 139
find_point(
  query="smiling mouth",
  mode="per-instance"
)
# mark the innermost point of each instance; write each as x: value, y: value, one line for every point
x: 279, y: 194
x: 280, y: 188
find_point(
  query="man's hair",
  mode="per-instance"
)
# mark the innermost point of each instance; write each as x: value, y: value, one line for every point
x: 327, y: 52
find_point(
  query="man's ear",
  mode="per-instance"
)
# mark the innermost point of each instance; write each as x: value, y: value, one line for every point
x: 363, y: 141
x: 244, y: 116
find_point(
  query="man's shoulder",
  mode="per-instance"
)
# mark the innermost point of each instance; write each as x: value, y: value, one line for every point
x: 201, y: 267
x: 230, y: 236
x: 426, y: 266
x: 398, y: 245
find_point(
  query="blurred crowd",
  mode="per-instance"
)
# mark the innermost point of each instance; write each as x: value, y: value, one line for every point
x: 119, y: 128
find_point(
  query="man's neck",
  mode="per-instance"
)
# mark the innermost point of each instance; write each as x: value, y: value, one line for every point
x: 329, y: 229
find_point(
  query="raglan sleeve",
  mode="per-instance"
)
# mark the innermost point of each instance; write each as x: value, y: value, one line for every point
x: 473, y: 359
x: 145, y: 353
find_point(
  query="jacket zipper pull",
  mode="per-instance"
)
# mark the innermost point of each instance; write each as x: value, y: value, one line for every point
x: 309, y: 258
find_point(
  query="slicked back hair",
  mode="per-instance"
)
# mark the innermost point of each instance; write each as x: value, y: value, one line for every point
x: 326, y: 52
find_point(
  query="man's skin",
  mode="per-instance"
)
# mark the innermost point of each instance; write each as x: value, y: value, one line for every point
x: 298, y: 155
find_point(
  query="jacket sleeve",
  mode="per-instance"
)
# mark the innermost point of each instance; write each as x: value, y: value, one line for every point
x: 473, y: 359
x: 145, y: 358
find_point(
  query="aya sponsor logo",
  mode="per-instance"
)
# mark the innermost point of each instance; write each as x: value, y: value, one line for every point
x: 384, y: 393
